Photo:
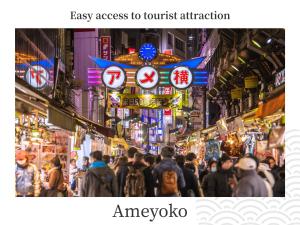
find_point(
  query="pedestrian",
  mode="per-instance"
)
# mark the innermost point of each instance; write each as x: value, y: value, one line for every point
x: 250, y: 183
x: 135, y: 179
x: 279, y: 186
x: 220, y: 185
x: 208, y: 179
x: 190, y: 163
x: 192, y: 188
x: 106, y: 159
x: 123, y: 170
x: 99, y: 180
x: 168, y: 175
x: 73, y: 172
x: 85, y: 164
x: 55, y: 187
x: 264, y: 172
x: 275, y: 169
x: 27, y: 176
x: 149, y: 180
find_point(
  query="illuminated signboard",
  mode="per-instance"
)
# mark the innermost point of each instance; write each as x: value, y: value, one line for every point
x: 147, y: 77
x: 148, y: 101
x: 113, y: 77
x: 181, y: 77
x: 37, y: 76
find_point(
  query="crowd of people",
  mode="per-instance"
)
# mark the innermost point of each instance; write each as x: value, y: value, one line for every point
x: 146, y: 175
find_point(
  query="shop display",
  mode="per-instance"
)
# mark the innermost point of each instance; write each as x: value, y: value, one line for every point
x: 212, y: 150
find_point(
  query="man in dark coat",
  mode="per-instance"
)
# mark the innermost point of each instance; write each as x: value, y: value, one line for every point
x: 220, y: 185
x: 208, y: 179
x: 122, y: 174
x: 191, y: 188
x: 99, y: 180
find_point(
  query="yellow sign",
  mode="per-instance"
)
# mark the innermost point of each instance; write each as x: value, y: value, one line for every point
x: 251, y: 82
x: 236, y: 93
x: 146, y: 101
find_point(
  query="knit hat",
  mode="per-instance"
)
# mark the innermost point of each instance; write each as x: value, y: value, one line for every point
x: 246, y: 163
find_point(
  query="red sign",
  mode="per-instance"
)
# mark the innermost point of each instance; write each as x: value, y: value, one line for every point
x: 181, y: 77
x: 113, y: 77
x: 105, y: 50
x: 147, y: 77
x: 168, y: 91
x: 168, y: 52
x: 131, y: 50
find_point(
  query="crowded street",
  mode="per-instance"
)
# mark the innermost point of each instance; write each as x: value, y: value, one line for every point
x: 149, y: 112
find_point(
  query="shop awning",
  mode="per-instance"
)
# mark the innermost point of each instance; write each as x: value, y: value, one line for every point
x: 57, y: 116
x: 271, y: 106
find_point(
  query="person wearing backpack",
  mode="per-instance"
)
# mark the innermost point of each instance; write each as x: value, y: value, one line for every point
x: 168, y: 174
x: 135, y: 179
x: 99, y: 180
x: 123, y: 170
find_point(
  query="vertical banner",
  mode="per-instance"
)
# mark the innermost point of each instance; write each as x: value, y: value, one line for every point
x: 105, y: 50
x: 168, y: 91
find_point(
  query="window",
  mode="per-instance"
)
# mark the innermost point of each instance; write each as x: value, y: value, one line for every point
x: 170, y: 40
x: 179, y: 44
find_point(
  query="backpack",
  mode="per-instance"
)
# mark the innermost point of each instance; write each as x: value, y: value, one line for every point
x: 135, y: 183
x: 99, y: 186
x: 169, y: 184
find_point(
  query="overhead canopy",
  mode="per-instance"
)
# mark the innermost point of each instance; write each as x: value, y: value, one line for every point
x: 271, y: 106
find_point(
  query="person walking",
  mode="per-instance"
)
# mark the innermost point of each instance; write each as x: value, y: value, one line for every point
x: 27, y: 176
x: 135, y: 179
x: 123, y: 170
x: 99, y: 180
x: 250, y: 183
x: 55, y: 187
x: 221, y: 184
x: 208, y: 179
x: 168, y: 175
x: 149, y: 180
x: 191, y: 188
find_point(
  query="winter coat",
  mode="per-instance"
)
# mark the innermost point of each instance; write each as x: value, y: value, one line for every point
x: 121, y: 178
x: 56, y: 179
x: 250, y: 185
x: 99, y: 174
x: 168, y: 164
x: 149, y: 182
x: 208, y: 185
x: 219, y: 186
x: 191, y: 182
x: 27, y: 180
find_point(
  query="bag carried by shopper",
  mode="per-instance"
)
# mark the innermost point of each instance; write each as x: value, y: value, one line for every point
x: 100, y: 185
x: 54, y: 192
x: 135, y: 183
x: 169, y: 184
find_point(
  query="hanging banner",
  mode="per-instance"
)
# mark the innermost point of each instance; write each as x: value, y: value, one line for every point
x: 168, y: 91
x: 251, y: 82
x: 222, y: 126
x: 105, y: 51
x: 236, y: 93
x: 150, y: 101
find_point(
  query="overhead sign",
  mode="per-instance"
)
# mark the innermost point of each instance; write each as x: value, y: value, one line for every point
x: 251, y: 82
x: 113, y: 77
x: 147, y: 77
x: 236, y: 93
x: 150, y: 101
x: 181, y: 77
x: 105, y: 51
x: 37, y: 76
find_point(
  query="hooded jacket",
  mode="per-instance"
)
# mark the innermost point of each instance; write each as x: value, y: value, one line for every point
x: 27, y: 180
x: 250, y: 185
x: 99, y: 181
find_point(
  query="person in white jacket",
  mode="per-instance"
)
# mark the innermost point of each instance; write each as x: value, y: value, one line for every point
x: 265, y: 172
